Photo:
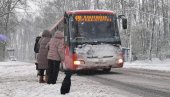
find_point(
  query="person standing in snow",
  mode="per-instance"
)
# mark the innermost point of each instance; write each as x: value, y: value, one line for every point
x: 42, y: 55
x: 36, y: 50
x: 55, y: 56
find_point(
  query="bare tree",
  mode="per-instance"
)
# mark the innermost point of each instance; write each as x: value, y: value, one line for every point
x: 8, y: 19
x: 148, y: 22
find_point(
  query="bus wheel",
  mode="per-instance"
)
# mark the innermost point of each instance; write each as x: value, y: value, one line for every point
x: 107, y: 69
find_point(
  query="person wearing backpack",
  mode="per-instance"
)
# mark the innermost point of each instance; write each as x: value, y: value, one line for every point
x: 42, y: 56
x: 36, y: 51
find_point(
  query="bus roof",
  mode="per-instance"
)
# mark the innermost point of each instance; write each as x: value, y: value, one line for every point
x: 81, y: 12
x: 90, y: 12
x: 56, y: 24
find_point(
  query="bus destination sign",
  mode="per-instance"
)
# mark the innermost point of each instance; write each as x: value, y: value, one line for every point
x: 91, y: 18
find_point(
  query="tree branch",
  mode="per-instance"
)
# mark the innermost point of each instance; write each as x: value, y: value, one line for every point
x: 10, y: 10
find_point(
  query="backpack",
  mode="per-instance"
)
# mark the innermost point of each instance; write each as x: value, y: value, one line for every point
x: 36, y: 46
x: 66, y: 84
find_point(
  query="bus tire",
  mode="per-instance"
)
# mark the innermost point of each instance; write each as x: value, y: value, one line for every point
x: 107, y: 70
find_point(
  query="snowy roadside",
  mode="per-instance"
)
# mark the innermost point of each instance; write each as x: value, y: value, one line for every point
x: 18, y: 79
x: 155, y: 64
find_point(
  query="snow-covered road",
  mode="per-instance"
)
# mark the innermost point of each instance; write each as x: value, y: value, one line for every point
x: 142, y: 82
x: 18, y: 79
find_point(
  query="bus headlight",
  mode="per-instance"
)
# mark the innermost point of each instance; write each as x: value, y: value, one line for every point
x: 78, y: 62
x: 120, y: 61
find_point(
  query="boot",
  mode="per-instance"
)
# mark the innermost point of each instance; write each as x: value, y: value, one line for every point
x: 41, y: 80
x: 46, y: 78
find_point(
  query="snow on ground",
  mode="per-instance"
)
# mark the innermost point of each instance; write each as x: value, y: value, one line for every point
x: 155, y: 64
x: 18, y: 79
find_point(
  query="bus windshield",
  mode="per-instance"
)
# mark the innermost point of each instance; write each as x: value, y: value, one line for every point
x: 95, y: 28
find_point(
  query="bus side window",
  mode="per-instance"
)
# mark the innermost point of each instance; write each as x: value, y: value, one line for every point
x: 66, y: 31
x: 72, y: 30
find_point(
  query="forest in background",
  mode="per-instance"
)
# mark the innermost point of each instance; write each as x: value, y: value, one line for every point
x: 148, y: 33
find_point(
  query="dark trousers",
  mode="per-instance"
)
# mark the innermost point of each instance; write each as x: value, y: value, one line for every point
x: 53, y: 70
x: 41, y: 72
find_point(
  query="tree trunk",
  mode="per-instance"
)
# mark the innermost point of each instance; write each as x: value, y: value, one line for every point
x: 130, y: 34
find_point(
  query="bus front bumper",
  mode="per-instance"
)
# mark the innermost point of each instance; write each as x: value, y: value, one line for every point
x: 99, y: 64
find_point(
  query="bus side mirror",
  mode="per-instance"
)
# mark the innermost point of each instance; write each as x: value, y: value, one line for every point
x: 65, y: 17
x: 124, y: 23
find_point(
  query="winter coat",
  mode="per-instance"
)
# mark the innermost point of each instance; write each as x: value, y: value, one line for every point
x: 56, y: 47
x: 43, y: 51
